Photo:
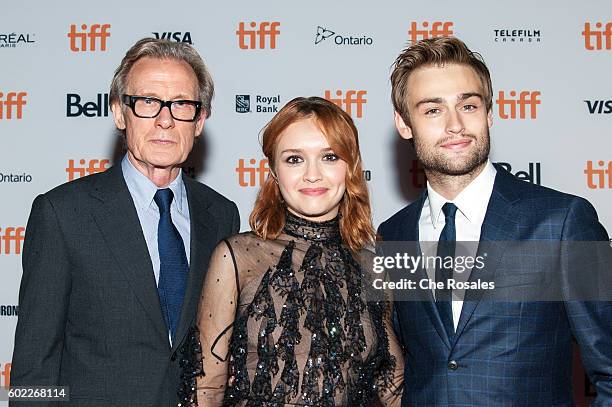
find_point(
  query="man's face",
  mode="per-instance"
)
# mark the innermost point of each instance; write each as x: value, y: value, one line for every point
x: 161, y: 142
x: 449, y: 121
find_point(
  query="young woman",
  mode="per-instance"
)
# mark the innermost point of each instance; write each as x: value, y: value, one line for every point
x: 287, y: 314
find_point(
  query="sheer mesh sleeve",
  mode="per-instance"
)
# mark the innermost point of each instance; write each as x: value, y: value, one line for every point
x: 392, y: 394
x: 216, y: 314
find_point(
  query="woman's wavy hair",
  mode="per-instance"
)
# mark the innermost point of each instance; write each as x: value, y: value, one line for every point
x: 268, y: 217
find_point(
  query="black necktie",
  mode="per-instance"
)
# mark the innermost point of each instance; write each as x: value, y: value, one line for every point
x: 446, y: 248
x: 173, y: 266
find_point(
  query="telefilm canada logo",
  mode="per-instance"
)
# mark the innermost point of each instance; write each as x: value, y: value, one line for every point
x: 258, y: 103
x: 14, y: 40
x: 323, y: 34
x: 517, y: 35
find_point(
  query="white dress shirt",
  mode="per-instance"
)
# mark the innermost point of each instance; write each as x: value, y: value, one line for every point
x: 471, y: 205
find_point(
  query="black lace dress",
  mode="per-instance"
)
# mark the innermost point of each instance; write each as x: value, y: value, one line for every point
x: 291, y: 321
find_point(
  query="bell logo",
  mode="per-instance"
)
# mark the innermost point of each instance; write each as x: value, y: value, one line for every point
x: 596, y: 177
x: 253, y: 175
x: 12, y: 238
x: 97, y: 34
x: 247, y: 38
x: 15, y: 101
x: 526, y: 98
x: 75, y: 108
x: 85, y: 168
x: 438, y: 29
x: 598, y: 35
x: 5, y: 374
x: 350, y: 98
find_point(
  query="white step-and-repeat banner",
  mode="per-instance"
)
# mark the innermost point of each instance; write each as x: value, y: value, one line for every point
x: 551, y: 65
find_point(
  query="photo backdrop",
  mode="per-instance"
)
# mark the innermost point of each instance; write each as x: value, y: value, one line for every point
x: 550, y: 62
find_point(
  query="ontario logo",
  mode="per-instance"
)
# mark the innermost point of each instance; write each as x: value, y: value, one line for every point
x: 324, y: 33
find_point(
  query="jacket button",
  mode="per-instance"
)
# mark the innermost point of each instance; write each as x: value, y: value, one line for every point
x: 453, y: 365
x: 173, y: 357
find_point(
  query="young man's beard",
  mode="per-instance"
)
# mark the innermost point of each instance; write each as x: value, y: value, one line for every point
x: 443, y: 165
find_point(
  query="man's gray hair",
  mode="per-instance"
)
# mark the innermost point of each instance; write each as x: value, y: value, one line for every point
x: 163, y: 49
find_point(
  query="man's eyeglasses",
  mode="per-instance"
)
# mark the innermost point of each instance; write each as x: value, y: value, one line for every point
x: 148, y: 107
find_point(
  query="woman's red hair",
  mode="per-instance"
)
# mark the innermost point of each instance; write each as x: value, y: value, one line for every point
x: 268, y: 217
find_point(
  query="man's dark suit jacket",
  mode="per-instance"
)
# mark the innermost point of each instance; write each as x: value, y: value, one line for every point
x: 507, y: 353
x: 89, y: 311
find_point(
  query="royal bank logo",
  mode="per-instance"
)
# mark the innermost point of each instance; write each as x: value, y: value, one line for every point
x: 243, y: 103
x: 14, y: 40
x: 258, y: 103
x: 176, y: 36
x: 340, y: 39
x: 517, y: 36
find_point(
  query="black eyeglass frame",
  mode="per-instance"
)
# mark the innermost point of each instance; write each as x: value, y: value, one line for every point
x: 131, y: 100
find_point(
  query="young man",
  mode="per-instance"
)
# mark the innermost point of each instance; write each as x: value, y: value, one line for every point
x: 477, y: 352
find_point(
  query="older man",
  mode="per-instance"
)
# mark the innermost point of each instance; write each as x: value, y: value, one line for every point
x: 113, y: 263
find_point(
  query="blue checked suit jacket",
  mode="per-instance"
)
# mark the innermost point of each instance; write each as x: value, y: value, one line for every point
x: 507, y: 353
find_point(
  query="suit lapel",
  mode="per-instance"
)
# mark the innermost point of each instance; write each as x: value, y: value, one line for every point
x: 118, y: 222
x: 204, y: 232
x: 499, y: 226
x: 411, y: 234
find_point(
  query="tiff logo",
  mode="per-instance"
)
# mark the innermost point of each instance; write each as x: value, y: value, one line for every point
x: 247, y: 38
x: 350, y: 98
x: 5, y: 374
x: 85, y: 168
x: 598, y: 35
x: 438, y: 29
x: 15, y: 101
x: 12, y: 237
x: 97, y: 34
x: 525, y: 99
x: 254, y: 174
x: 596, y: 177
